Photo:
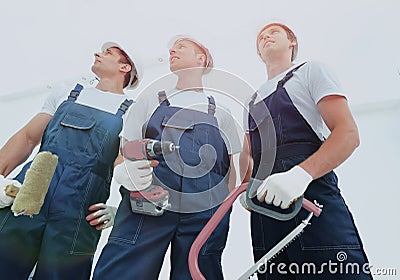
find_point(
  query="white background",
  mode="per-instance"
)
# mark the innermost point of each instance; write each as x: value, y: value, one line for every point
x: 48, y: 42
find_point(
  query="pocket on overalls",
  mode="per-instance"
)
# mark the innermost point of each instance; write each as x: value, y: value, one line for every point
x: 79, y: 135
x: 86, y: 236
x: 70, y: 189
x: 178, y: 130
x: 257, y: 231
x: 127, y: 225
x: 85, y: 239
x: 4, y: 215
x: 217, y: 240
x: 177, y: 121
x: 334, y: 228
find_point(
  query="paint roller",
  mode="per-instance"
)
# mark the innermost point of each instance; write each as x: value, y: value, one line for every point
x: 30, y: 197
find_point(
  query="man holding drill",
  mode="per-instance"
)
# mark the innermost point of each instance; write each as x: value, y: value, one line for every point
x: 196, y: 175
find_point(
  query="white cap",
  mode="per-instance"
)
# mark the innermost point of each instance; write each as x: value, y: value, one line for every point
x: 135, y: 72
x: 180, y: 37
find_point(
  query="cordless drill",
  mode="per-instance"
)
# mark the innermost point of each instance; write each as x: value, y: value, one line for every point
x: 153, y: 200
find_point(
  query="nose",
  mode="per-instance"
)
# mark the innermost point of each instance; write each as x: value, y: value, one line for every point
x: 171, y: 51
x: 265, y: 36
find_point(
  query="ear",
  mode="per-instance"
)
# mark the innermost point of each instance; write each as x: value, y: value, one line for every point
x: 125, y: 67
x: 201, y: 59
x: 294, y: 43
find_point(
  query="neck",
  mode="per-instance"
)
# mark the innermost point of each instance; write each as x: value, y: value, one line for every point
x: 276, y: 65
x: 190, y: 80
x: 110, y: 86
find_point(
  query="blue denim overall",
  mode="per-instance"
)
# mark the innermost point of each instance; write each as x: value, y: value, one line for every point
x: 59, y: 238
x: 330, y: 235
x: 138, y: 243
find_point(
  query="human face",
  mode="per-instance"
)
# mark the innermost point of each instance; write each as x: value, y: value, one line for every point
x: 184, y: 54
x: 107, y: 62
x: 273, y: 41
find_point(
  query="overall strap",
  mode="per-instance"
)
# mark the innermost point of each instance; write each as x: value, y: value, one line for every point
x: 289, y: 75
x: 211, y: 105
x: 73, y: 95
x: 123, y: 107
x: 253, y: 99
x: 162, y: 98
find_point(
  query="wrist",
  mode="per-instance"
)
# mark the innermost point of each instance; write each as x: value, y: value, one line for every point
x: 301, y: 174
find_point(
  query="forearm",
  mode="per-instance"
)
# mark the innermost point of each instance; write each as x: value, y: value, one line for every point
x: 21, y: 144
x: 232, y: 176
x: 118, y: 160
x: 14, y: 152
x: 334, y: 151
x: 245, y: 161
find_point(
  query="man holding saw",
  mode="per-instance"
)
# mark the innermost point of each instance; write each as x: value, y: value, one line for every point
x: 286, y: 150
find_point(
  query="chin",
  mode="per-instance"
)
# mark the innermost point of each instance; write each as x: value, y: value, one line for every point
x: 94, y: 69
x: 174, y: 68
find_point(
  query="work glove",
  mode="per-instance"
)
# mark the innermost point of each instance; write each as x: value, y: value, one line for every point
x: 6, y: 200
x: 103, y: 217
x: 282, y: 189
x: 135, y: 175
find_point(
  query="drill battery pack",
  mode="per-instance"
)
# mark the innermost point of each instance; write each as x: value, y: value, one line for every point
x: 152, y: 201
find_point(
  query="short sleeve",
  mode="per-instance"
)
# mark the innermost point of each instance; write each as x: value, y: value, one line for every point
x: 53, y: 100
x: 322, y: 81
x: 229, y: 128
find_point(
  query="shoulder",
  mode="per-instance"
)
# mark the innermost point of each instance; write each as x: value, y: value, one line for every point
x: 145, y: 102
x: 223, y: 113
x: 316, y: 72
x: 56, y: 95
x: 59, y: 92
x: 315, y: 68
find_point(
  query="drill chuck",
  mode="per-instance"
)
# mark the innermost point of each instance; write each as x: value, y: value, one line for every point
x: 156, y: 148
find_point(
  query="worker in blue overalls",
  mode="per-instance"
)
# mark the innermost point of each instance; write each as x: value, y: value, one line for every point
x: 196, y: 177
x: 295, y: 102
x: 82, y: 129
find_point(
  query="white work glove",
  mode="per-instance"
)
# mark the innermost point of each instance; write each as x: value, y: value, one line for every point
x: 6, y: 200
x: 282, y: 189
x: 134, y: 175
x: 103, y: 217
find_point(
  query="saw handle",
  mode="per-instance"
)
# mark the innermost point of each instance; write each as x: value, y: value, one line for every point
x: 214, y: 221
x: 274, y: 211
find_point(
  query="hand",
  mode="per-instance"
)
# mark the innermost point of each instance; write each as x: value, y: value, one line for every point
x: 6, y: 200
x: 282, y: 189
x: 103, y: 217
x: 135, y: 175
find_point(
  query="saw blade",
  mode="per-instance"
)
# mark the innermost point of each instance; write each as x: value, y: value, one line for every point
x: 277, y: 248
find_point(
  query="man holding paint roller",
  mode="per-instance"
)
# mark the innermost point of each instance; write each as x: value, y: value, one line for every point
x: 83, y: 132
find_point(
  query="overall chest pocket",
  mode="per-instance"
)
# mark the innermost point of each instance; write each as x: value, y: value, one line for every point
x: 79, y: 134
x: 194, y: 135
x: 178, y: 121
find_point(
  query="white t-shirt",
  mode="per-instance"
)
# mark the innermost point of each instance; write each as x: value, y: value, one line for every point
x: 309, y: 84
x: 198, y: 101
x: 92, y: 97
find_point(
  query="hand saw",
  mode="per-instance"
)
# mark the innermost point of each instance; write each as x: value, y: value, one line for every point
x: 195, y: 272
x: 285, y: 242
